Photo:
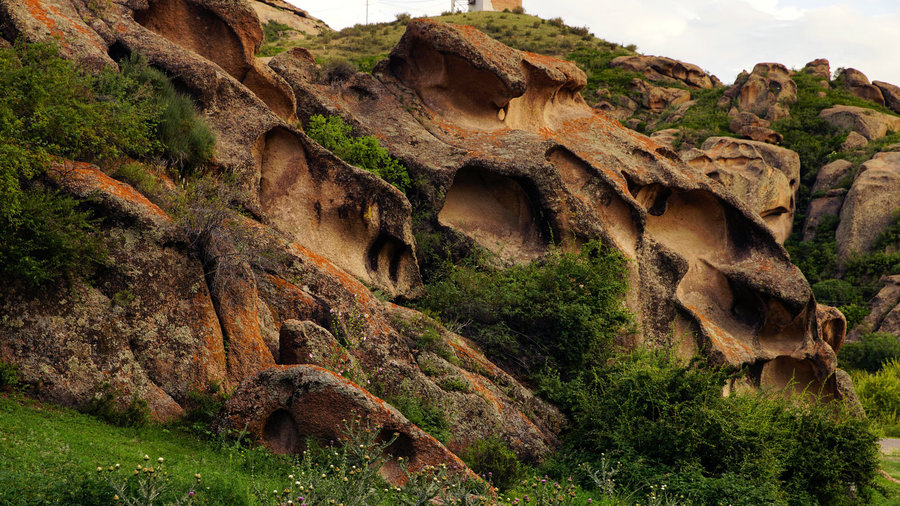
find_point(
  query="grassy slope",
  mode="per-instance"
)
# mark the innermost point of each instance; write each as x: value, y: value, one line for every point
x: 891, y: 465
x: 48, y: 453
x: 365, y: 45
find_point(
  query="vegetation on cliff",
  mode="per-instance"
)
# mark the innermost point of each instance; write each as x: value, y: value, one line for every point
x: 51, y: 111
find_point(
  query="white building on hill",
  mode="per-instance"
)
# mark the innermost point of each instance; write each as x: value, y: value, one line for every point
x: 493, y: 5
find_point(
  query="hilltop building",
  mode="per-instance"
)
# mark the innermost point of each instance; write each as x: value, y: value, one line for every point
x: 493, y: 5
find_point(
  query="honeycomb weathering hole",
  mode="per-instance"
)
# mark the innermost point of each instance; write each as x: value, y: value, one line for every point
x: 205, y: 33
x: 496, y: 211
x: 281, y: 434
x: 402, y: 446
x: 197, y: 29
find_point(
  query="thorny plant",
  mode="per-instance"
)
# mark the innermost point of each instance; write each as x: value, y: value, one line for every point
x: 350, y: 327
x: 603, y: 478
x: 147, y: 484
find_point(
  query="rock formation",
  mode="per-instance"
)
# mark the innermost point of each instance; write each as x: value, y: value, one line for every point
x: 764, y: 90
x: 507, y: 155
x: 869, y: 205
x: 859, y: 85
x: 660, y: 68
x: 869, y: 123
x: 765, y: 177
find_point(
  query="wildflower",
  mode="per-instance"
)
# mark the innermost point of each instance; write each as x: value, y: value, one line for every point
x: 191, y: 493
x: 160, y: 460
x: 116, y: 497
x: 99, y: 469
x: 146, y: 457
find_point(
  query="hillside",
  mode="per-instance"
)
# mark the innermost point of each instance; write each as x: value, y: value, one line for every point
x: 472, y: 256
x: 655, y: 96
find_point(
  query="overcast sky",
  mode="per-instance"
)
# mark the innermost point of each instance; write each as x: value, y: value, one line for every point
x: 722, y: 36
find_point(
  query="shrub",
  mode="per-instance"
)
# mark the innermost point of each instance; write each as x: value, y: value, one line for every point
x: 9, y: 376
x: 563, y: 311
x: 879, y: 393
x: 107, y: 405
x: 186, y: 141
x: 422, y: 412
x: 48, y: 239
x: 363, y: 151
x: 836, y: 292
x: 273, y: 30
x: 494, y: 459
x: 668, y: 423
x: 870, y: 353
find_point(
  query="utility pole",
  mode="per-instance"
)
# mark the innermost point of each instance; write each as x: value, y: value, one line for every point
x: 367, y: 12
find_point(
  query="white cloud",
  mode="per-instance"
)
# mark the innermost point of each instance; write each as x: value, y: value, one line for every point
x: 722, y: 36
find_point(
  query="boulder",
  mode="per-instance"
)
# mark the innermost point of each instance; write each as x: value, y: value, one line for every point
x: 819, y: 68
x: 854, y: 140
x: 751, y: 126
x: 869, y: 205
x: 657, y: 98
x: 859, y: 85
x: 891, y: 94
x: 667, y: 137
x: 284, y: 407
x: 766, y: 177
x: 869, y: 123
x: 768, y: 85
x: 884, y: 304
x: 831, y: 174
x: 819, y: 208
x: 659, y: 68
x: 284, y: 13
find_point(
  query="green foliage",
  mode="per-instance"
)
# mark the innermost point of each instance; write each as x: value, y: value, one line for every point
x: 595, y: 63
x: 879, y: 393
x: 363, y: 151
x: 427, y: 415
x: 890, y: 237
x: 667, y: 423
x: 704, y: 119
x: 854, y: 313
x: 817, y: 258
x: 186, y: 141
x: 49, y: 238
x: 273, y: 30
x: 202, y: 410
x: 494, y: 459
x: 107, y: 405
x: 564, y: 310
x: 50, y: 109
x: 836, y: 292
x: 9, y: 376
x: 871, y: 353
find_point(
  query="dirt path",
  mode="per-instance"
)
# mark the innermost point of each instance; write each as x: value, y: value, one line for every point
x: 890, y: 445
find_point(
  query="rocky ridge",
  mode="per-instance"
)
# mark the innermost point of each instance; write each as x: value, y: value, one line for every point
x: 510, y: 157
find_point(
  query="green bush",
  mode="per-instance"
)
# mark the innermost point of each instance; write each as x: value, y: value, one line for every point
x: 48, y: 108
x: 564, y: 310
x: 49, y: 238
x: 879, y: 393
x: 9, y: 376
x: 185, y: 140
x: 425, y: 414
x: 667, y: 423
x: 364, y: 151
x: 106, y: 405
x: 493, y: 459
x: 273, y: 30
x: 836, y: 292
x: 870, y: 353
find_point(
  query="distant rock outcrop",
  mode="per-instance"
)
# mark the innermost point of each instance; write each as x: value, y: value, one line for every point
x: 764, y: 90
x: 869, y: 123
x: 660, y: 68
x: 869, y: 206
x: 859, y: 85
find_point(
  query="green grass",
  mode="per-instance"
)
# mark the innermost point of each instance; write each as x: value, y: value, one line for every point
x: 890, y: 464
x: 50, y: 455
